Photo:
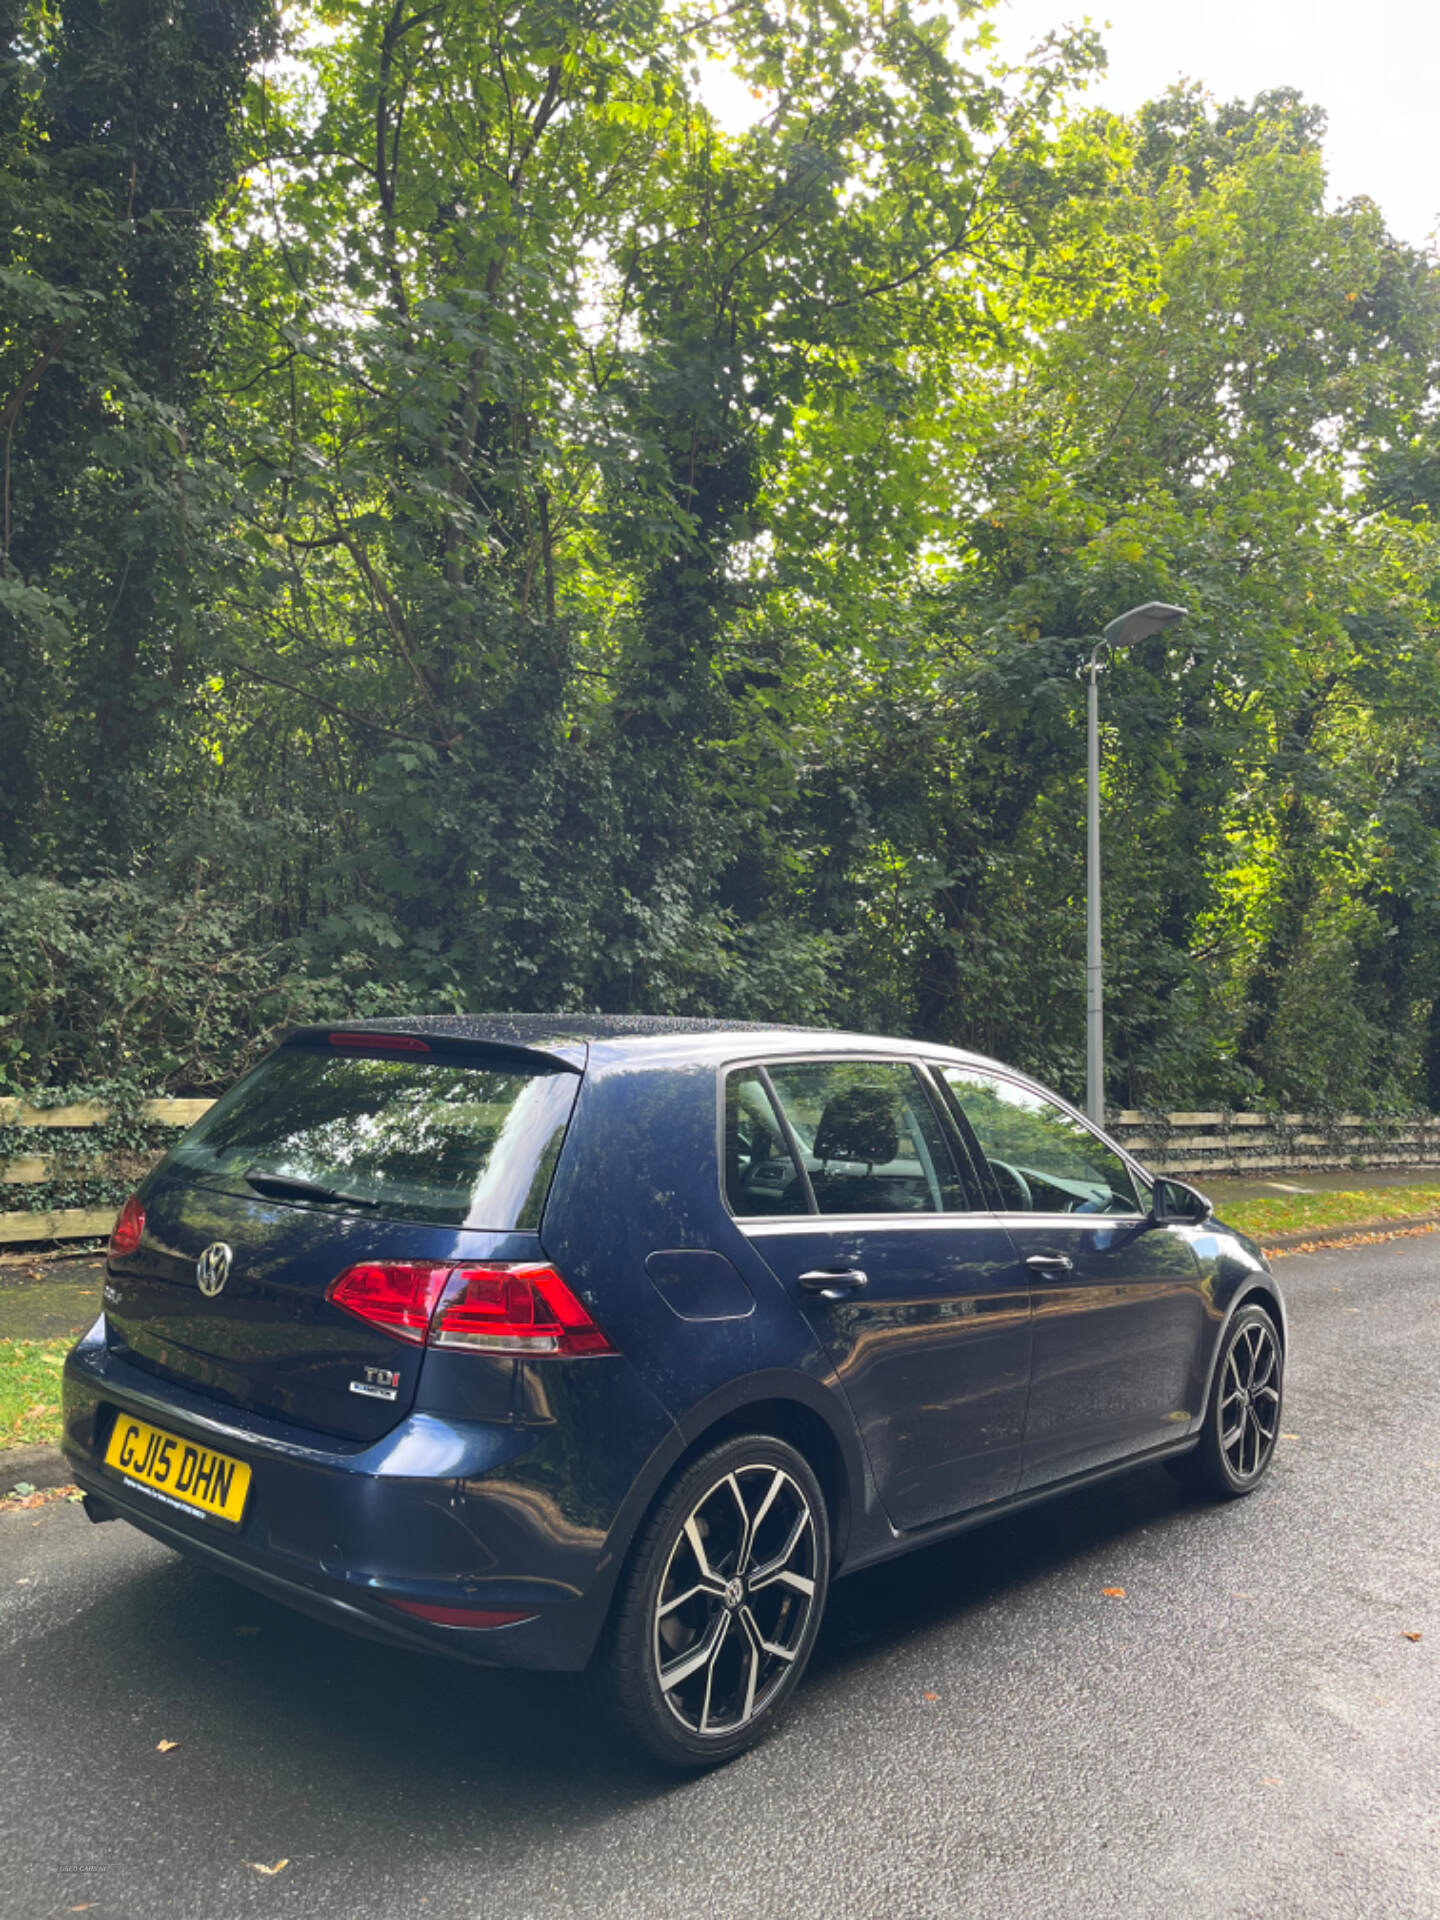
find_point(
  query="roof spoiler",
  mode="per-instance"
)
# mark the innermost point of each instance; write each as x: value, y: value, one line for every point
x: 405, y: 1040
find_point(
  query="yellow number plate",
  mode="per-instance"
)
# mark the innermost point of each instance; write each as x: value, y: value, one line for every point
x: 191, y: 1475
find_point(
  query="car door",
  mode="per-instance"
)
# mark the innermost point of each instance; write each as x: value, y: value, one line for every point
x: 841, y: 1173
x: 1118, y: 1305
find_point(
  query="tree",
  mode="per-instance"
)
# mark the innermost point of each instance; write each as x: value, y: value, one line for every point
x: 116, y: 124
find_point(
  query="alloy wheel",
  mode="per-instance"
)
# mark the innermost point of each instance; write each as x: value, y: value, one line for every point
x: 735, y: 1600
x: 1250, y: 1400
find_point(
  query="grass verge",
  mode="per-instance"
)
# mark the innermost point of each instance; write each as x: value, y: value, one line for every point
x: 1313, y: 1212
x: 30, y: 1392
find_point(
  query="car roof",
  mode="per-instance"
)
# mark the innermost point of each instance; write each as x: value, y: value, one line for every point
x: 634, y: 1036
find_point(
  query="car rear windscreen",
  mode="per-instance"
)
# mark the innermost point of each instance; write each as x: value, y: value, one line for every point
x: 438, y: 1140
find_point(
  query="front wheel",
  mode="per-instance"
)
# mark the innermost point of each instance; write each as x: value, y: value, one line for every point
x: 720, y: 1605
x: 1242, y: 1419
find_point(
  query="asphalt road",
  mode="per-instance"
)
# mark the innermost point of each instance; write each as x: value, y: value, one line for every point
x: 1246, y: 1733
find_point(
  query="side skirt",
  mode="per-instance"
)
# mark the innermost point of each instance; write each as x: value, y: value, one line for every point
x: 1014, y: 1503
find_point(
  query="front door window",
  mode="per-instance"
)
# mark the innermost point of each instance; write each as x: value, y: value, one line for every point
x: 1044, y: 1159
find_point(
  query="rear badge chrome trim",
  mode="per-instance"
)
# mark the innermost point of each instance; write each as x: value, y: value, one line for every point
x: 212, y: 1269
x: 380, y: 1383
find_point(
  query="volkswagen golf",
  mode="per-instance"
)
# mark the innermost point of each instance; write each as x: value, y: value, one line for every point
x: 610, y: 1342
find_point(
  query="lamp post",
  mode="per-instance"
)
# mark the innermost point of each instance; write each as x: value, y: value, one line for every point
x: 1138, y: 624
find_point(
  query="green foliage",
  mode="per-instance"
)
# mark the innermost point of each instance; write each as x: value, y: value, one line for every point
x: 115, y: 122
x: 117, y: 990
x: 517, y: 543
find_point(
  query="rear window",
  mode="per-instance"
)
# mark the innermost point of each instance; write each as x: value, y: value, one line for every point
x: 435, y: 1140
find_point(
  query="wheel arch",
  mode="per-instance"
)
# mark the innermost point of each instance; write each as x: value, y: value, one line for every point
x: 1257, y: 1289
x: 792, y: 1406
x: 808, y: 1432
x: 1261, y: 1292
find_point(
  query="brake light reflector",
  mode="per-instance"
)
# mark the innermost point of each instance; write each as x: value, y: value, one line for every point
x: 456, y: 1616
x: 393, y: 1295
x: 129, y: 1225
x: 386, y: 1042
x: 511, y: 1307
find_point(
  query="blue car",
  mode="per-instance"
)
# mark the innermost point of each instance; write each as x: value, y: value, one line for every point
x: 571, y: 1341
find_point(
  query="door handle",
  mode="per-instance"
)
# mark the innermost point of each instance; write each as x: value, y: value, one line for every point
x: 1050, y: 1263
x: 824, y: 1279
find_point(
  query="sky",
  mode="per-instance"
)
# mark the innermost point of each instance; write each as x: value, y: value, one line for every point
x: 1374, y: 67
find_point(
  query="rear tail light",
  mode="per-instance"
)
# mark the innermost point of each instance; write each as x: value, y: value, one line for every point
x: 129, y: 1225
x: 511, y: 1307
x: 392, y: 1295
x: 457, y: 1616
x: 514, y: 1309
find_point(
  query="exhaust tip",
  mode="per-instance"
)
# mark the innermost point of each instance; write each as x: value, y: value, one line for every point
x: 97, y: 1509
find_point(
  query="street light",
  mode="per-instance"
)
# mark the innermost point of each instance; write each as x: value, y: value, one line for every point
x: 1138, y: 624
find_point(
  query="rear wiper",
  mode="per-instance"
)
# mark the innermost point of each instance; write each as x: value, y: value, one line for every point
x: 285, y: 1186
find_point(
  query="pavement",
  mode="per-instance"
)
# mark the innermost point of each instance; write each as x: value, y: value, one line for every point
x: 1248, y: 1732
x: 1225, y: 1189
x: 45, y: 1296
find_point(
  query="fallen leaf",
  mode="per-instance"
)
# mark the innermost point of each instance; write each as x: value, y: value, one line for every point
x: 1412, y: 1636
x: 1272, y: 1783
x: 935, y: 1696
x: 166, y: 1746
x: 279, y: 1866
x: 1289, y: 1436
x: 84, y: 1908
x: 1242, y: 1596
x: 1113, y: 1593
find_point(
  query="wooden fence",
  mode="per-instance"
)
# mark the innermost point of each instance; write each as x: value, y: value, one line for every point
x: 1182, y: 1143
x: 1240, y: 1143
x: 32, y: 1169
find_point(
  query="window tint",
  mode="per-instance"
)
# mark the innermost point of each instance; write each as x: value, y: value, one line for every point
x: 869, y: 1136
x: 760, y: 1172
x: 434, y: 1140
x: 1043, y: 1160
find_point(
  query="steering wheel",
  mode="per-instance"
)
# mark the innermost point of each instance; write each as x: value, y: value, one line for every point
x: 1009, y: 1176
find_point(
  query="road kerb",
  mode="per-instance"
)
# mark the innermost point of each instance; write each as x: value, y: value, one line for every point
x: 36, y: 1466
x: 1357, y: 1231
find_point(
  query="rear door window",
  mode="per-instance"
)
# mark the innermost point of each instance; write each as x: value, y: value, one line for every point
x: 451, y: 1141
x: 869, y: 1137
x: 761, y: 1176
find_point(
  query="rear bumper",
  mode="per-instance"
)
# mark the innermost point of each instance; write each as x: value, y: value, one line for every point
x: 441, y: 1511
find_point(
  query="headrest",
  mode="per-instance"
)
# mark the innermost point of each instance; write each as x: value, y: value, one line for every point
x: 860, y: 1123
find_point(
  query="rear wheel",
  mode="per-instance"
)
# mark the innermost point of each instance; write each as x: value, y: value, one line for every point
x: 720, y: 1605
x: 1242, y: 1420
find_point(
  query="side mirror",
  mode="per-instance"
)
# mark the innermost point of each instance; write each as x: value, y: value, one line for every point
x: 1173, y: 1203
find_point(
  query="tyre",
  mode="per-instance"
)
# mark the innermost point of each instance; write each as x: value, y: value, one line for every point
x: 720, y: 1603
x: 1242, y: 1419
